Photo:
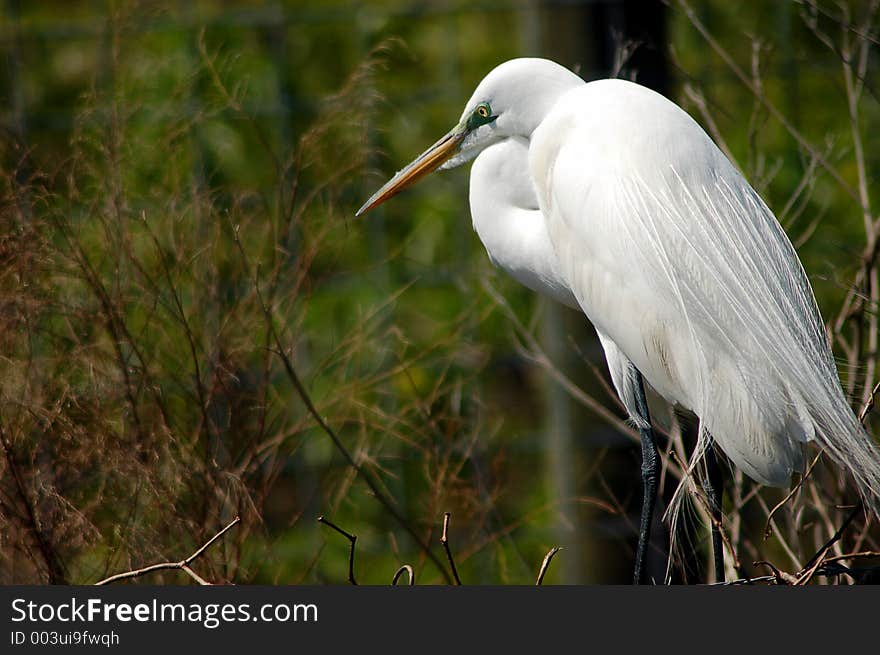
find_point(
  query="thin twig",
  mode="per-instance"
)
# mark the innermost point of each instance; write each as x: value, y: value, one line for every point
x: 862, y: 554
x: 405, y: 568
x: 718, y: 525
x: 201, y: 392
x: 764, y: 99
x: 546, y: 564
x: 182, y: 565
x: 781, y: 577
x: 444, y: 539
x: 868, y: 407
x: 195, y: 576
x: 816, y: 561
x: 352, y: 540
x: 703, y: 503
x: 534, y: 353
x: 744, y: 581
x: 322, y: 423
x: 54, y: 565
x: 785, y: 545
x: 767, y: 530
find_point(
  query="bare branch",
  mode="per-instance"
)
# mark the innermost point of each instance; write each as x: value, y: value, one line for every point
x: 765, y: 100
x: 767, y: 530
x: 537, y: 355
x: 868, y: 407
x: 546, y: 564
x: 322, y: 423
x: 352, y: 539
x: 182, y: 565
x: 406, y: 568
x: 781, y: 577
x: 744, y: 581
x: 54, y: 565
x: 816, y: 561
x: 444, y: 539
x: 859, y: 555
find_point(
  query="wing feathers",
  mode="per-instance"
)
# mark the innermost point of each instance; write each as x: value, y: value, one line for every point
x: 677, y: 260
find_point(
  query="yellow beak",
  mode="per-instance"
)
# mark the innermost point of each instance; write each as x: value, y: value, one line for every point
x: 428, y: 161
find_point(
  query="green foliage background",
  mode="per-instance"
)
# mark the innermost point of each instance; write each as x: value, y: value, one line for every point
x: 163, y: 163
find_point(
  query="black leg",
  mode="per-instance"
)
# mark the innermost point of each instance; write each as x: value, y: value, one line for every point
x: 650, y: 474
x: 714, y: 486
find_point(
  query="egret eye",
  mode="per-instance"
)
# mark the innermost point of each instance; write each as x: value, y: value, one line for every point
x: 481, y: 115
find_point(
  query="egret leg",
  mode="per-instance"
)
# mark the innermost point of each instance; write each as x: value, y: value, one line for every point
x: 714, y: 487
x: 650, y: 475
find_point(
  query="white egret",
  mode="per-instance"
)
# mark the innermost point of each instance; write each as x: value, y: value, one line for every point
x: 610, y: 198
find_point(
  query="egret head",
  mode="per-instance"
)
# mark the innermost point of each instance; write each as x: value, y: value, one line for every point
x: 512, y: 100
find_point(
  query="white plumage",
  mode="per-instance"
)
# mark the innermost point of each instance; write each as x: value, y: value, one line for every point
x: 507, y: 219
x: 674, y: 259
x: 607, y: 196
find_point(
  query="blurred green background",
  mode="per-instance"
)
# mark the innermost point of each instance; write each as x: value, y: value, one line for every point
x: 171, y: 170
